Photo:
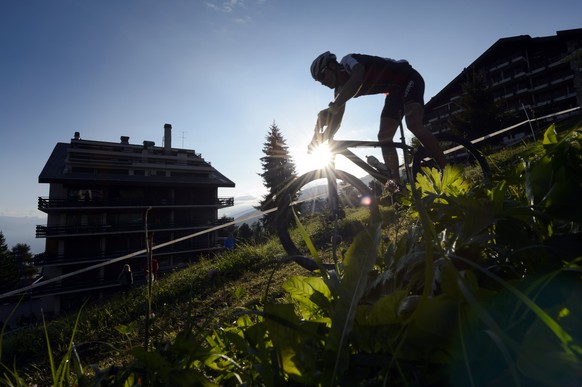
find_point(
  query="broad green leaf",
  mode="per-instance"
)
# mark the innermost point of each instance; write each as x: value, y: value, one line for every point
x: 311, y: 292
x: 293, y: 340
x: 550, y: 136
x: 382, y: 312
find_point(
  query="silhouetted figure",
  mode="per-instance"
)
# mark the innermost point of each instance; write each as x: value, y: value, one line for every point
x: 229, y: 242
x: 155, y: 267
x: 125, y: 278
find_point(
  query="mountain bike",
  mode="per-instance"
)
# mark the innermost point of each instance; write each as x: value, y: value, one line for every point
x: 336, y: 190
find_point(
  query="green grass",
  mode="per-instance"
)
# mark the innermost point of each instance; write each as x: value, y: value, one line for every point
x: 209, y: 291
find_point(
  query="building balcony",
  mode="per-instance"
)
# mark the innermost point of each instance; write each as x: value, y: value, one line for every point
x: 499, y: 66
x: 501, y: 81
x: 47, y: 204
x: 562, y: 79
x: 518, y: 58
x: 564, y: 97
x: 43, y: 231
x: 183, y: 247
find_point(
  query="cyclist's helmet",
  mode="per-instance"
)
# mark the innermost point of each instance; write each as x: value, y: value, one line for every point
x: 320, y: 63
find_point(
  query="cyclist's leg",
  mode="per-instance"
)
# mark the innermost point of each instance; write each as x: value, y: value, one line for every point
x: 389, y: 121
x: 388, y: 128
x: 414, y: 114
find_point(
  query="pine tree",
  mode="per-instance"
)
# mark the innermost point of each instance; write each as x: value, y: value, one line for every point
x: 278, y: 169
x: 8, y: 268
x: 23, y: 258
x: 3, y: 245
x: 245, y: 233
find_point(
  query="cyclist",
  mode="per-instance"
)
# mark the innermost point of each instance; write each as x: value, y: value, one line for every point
x: 357, y: 75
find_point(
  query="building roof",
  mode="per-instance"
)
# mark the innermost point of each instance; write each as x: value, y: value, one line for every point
x: 104, y: 162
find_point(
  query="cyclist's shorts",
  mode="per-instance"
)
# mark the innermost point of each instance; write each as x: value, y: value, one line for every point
x: 413, y: 91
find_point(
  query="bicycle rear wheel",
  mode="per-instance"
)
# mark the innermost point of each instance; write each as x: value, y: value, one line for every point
x: 458, y: 151
x: 308, y: 197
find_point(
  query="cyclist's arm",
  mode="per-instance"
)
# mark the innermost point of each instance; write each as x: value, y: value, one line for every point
x: 352, y: 86
x: 332, y: 118
x: 345, y: 93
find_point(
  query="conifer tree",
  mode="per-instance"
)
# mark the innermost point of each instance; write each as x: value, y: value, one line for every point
x: 8, y: 268
x: 278, y: 169
x: 23, y: 258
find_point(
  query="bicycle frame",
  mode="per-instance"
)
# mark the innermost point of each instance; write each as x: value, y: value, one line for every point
x: 342, y: 147
x: 415, y: 160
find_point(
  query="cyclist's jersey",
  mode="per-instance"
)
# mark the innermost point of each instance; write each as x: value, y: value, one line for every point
x: 381, y: 75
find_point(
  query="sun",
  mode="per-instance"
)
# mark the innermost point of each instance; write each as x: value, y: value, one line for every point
x: 319, y: 158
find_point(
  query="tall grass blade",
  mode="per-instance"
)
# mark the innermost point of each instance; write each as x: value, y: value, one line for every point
x: 497, y: 334
x: 310, y: 246
x: 359, y: 261
x: 464, y: 348
x: 7, y: 321
x: 560, y: 333
x: 49, y: 349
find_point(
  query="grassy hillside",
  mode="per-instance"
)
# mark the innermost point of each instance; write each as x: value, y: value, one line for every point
x: 473, y: 285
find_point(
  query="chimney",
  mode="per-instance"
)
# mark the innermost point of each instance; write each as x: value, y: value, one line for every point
x: 167, y: 137
x: 124, y: 139
x: 77, y: 136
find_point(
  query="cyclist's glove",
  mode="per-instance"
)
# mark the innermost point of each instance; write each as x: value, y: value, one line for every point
x: 315, y: 141
x: 323, y: 119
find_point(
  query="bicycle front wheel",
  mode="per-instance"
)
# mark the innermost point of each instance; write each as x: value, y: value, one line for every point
x: 322, y: 217
x: 458, y: 151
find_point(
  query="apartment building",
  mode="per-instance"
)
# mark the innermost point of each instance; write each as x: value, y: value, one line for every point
x: 529, y: 77
x: 103, y: 195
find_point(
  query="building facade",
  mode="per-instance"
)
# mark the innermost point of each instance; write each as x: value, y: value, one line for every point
x: 528, y: 77
x: 102, y: 198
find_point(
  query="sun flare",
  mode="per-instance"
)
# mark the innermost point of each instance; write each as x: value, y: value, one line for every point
x: 320, y: 157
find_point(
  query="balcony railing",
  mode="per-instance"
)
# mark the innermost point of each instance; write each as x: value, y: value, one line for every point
x: 180, y: 248
x: 43, y: 231
x: 47, y: 203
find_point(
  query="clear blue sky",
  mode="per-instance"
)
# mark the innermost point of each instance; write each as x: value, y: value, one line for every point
x: 221, y: 72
